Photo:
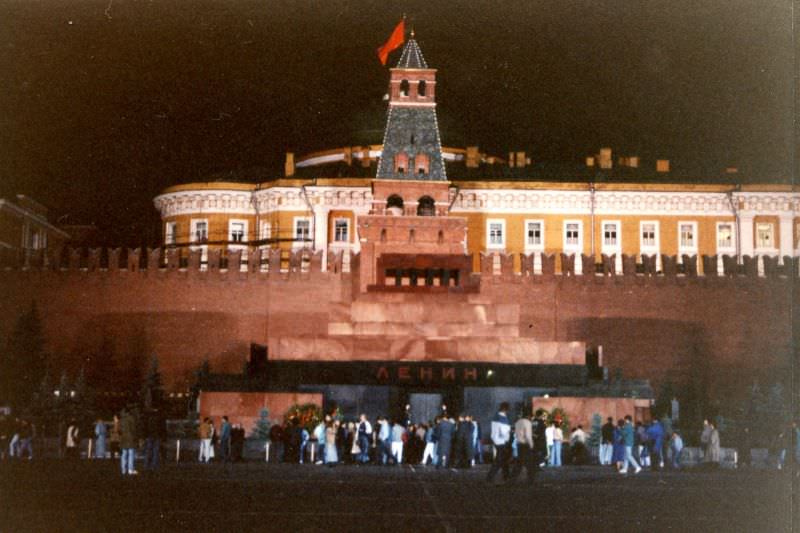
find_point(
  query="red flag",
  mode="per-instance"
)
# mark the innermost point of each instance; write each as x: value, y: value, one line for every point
x: 396, y: 39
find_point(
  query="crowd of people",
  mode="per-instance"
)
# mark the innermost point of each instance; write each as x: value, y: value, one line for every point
x: 531, y: 442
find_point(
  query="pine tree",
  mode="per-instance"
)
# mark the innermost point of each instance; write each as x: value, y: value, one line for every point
x: 152, y: 390
x: 23, y: 364
x: 595, y: 438
x: 262, y: 427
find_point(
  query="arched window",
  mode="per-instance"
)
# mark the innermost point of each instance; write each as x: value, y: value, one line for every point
x: 394, y: 205
x: 404, y: 86
x: 426, y: 207
x: 421, y: 88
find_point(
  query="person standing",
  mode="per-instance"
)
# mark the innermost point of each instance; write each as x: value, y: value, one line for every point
x: 398, y: 436
x: 655, y: 438
x: 225, y: 440
x: 204, y: 433
x: 501, y: 438
x: 538, y: 429
x: 618, y: 455
x: 331, y: 453
x: 607, y: 442
x: 466, y: 448
x: 628, y: 440
x: 676, y: 445
x: 155, y: 431
x: 364, y: 436
x: 100, y: 433
x: 113, y: 439
x: 577, y: 445
x: 429, y: 446
x: 523, y: 433
x: 127, y: 441
x: 444, y: 446
x: 713, y: 452
x: 72, y: 440
x: 477, y: 449
x: 549, y: 435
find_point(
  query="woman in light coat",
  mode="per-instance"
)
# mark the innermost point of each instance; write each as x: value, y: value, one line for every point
x: 331, y: 454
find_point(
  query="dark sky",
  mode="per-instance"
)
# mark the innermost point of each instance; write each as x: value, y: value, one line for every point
x: 103, y: 104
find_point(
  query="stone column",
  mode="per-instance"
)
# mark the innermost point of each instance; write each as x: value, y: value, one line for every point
x: 786, y: 236
x: 321, y: 233
x: 745, y: 235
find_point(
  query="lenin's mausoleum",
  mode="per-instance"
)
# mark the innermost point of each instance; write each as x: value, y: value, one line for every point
x: 409, y: 272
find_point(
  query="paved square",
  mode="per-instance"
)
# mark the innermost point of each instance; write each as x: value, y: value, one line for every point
x: 92, y: 496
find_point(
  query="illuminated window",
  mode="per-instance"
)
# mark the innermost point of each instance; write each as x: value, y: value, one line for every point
x: 648, y: 234
x: 534, y: 234
x: 610, y: 234
x: 237, y: 231
x: 266, y: 230
x: 170, y: 229
x: 199, y: 231
x: 496, y: 233
x: 341, y: 230
x: 724, y: 236
x: 764, y: 235
x: 688, y: 234
x: 572, y: 234
x: 404, y: 88
x: 302, y: 229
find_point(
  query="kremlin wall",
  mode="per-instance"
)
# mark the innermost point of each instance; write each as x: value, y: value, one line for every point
x: 410, y: 256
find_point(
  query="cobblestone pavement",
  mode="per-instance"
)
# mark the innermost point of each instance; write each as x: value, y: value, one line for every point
x: 92, y: 496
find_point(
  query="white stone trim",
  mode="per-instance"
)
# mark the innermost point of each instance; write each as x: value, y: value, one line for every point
x: 723, y: 250
x: 609, y: 249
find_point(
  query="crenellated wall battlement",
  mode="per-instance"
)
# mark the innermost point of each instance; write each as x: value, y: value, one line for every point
x: 301, y: 262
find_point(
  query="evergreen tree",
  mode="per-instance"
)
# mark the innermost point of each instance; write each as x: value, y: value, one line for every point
x: 23, y: 363
x: 595, y: 438
x: 152, y: 390
x: 262, y: 427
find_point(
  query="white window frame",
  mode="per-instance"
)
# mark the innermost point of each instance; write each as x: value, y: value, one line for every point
x: 295, y: 226
x: 265, y: 230
x: 346, y: 221
x: 533, y: 247
x: 609, y: 248
x: 245, y: 229
x: 170, y: 232
x: 760, y: 249
x: 575, y: 248
x: 722, y: 250
x: 193, y: 226
x: 502, y: 244
x: 687, y: 249
x: 655, y: 247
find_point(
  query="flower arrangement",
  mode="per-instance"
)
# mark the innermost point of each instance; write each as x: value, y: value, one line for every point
x: 308, y: 415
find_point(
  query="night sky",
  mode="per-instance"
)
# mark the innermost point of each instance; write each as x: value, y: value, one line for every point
x: 103, y: 104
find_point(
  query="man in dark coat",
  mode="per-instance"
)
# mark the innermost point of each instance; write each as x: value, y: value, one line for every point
x: 538, y: 429
x: 446, y: 430
x: 463, y: 457
x: 607, y: 442
x: 155, y: 433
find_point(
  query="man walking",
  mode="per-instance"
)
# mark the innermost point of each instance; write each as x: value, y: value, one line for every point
x: 607, y: 441
x: 523, y: 433
x: 501, y: 438
x: 446, y: 429
x: 628, y: 438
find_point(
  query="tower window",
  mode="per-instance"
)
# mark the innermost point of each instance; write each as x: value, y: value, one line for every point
x: 421, y: 88
x: 421, y: 164
x: 404, y: 86
x: 426, y: 207
x: 394, y: 204
x: 401, y: 163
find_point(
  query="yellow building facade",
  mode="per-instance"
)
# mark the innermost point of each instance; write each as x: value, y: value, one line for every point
x: 512, y: 217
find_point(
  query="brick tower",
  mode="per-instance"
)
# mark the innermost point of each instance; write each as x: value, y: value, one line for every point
x: 409, y: 242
